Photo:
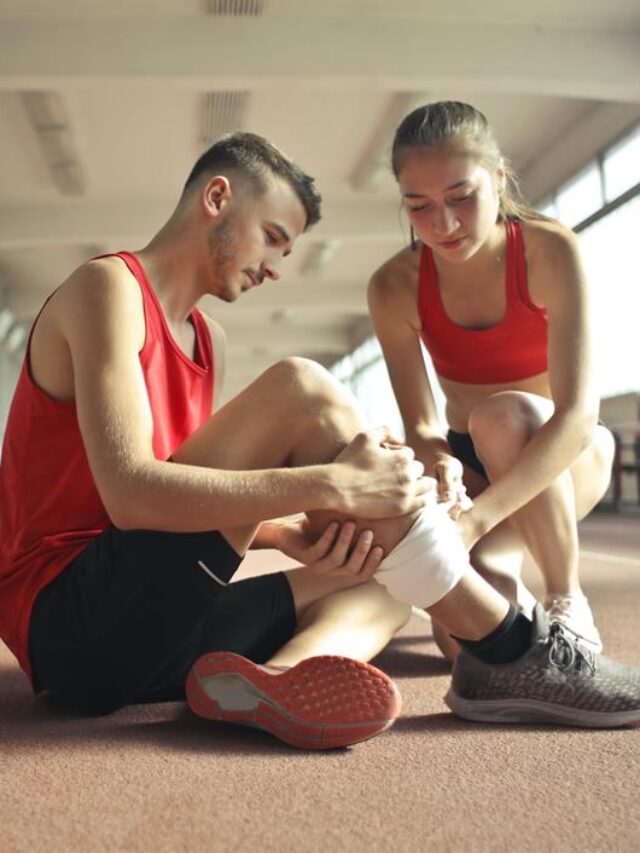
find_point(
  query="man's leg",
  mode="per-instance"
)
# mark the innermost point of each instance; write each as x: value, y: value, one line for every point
x: 511, y: 666
x: 297, y: 414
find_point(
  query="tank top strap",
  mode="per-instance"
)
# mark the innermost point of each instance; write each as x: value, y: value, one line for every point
x: 204, y: 344
x: 517, y: 285
x: 135, y: 268
x: 428, y: 302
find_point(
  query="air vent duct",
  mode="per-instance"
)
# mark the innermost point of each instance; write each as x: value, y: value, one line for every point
x: 222, y: 112
x: 235, y: 8
x: 51, y: 123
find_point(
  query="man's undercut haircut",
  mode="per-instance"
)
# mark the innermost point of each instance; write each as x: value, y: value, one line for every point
x: 255, y: 158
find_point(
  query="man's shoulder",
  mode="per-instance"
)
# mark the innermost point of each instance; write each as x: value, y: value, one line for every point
x: 95, y: 284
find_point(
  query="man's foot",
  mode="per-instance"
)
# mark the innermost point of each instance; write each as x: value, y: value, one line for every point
x: 449, y: 647
x: 574, y: 612
x: 558, y: 680
x: 523, y: 600
x: 321, y: 703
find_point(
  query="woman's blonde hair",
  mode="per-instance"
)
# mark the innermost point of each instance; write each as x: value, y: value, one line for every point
x: 442, y: 121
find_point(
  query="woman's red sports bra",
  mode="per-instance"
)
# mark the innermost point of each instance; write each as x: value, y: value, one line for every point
x: 513, y: 349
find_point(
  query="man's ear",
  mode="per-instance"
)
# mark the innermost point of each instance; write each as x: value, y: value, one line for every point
x: 216, y: 195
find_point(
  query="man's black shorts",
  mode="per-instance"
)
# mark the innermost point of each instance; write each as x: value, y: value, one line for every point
x: 125, y: 621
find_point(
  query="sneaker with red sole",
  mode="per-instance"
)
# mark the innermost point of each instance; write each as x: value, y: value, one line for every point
x: 323, y: 702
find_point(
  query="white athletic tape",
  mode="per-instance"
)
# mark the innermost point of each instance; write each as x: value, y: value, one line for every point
x: 428, y: 562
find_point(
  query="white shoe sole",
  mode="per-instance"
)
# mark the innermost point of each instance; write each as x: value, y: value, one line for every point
x: 535, y: 711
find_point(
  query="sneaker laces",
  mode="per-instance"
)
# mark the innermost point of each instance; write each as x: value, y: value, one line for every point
x: 559, y: 605
x: 565, y: 650
x: 563, y: 605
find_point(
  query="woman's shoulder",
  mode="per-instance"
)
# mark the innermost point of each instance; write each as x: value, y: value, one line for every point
x: 547, y: 237
x: 397, y: 274
x: 393, y: 288
x: 553, y: 259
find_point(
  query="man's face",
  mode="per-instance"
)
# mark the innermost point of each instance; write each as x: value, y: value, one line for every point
x: 252, y: 237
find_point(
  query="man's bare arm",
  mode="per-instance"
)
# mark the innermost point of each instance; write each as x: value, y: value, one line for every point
x: 100, y: 316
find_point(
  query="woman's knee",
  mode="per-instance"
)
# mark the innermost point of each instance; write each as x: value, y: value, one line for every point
x: 503, y: 424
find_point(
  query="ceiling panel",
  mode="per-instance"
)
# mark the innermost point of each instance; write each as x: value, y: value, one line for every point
x: 138, y: 133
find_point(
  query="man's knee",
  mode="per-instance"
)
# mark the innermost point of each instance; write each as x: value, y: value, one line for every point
x: 302, y: 377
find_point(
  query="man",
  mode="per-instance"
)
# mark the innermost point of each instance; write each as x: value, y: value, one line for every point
x: 126, y: 507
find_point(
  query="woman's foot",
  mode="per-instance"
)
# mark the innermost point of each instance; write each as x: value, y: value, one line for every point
x: 573, y: 610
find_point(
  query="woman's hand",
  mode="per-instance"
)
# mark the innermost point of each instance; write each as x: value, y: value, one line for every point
x: 451, y: 490
x: 469, y: 529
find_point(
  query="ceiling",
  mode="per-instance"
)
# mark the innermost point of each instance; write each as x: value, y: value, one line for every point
x: 134, y: 91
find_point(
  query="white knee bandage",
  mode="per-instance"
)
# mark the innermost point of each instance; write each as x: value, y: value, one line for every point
x: 428, y: 562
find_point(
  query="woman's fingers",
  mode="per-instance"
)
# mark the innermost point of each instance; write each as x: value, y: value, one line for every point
x: 449, y: 474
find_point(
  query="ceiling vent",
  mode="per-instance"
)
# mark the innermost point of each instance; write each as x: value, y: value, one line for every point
x: 50, y: 120
x: 235, y: 8
x: 222, y: 112
x: 320, y: 256
x: 374, y: 163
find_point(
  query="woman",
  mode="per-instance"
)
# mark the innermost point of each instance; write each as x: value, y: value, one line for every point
x: 497, y: 294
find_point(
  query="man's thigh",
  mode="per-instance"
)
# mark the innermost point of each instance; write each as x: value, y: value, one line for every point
x: 126, y: 620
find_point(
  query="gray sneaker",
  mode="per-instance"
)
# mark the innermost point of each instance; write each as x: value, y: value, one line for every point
x: 558, y: 680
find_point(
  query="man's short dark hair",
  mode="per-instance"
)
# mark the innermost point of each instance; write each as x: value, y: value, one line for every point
x: 256, y: 158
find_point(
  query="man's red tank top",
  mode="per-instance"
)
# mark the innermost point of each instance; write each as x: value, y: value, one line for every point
x: 50, y: 509
x: 513, y: 349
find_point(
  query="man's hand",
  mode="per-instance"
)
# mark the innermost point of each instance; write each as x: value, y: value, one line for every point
x: 378, y: 477
x: 349, y: 560
x: 293, y: 537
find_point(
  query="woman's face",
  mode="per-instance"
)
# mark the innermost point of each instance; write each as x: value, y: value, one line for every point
x: 451, y: 198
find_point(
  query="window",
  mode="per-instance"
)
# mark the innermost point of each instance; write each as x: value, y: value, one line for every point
x: 580, y: 197
x: 548, y: 208
x: 609, y: 251
x: 621, y: 165
x: 364, y: 372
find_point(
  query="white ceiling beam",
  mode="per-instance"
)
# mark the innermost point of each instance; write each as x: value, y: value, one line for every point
x: 384, y: 53
x: 327, y: 339
x: 28, y: 226
x: 300, y: 303
x: 303, y: 297
x: 576, y: 147
x: 307, y: 306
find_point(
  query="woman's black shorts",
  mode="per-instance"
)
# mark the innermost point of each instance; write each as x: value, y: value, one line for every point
x: 125, y: 621
x: 462, y: 448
